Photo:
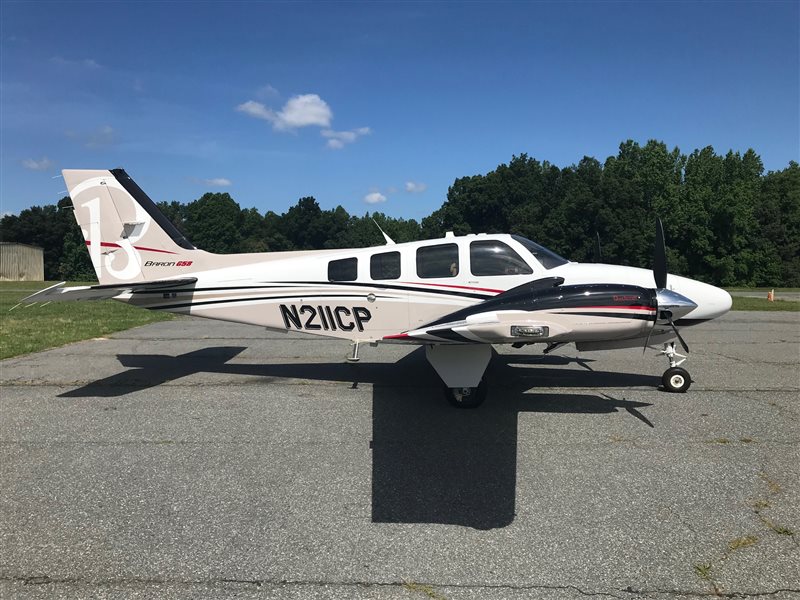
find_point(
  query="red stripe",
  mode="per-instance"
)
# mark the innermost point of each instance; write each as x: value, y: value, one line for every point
x: 647, y: 308
x: 154, y: 250
x: 457, y: 287
x: 399, y: 336
x: 115, y: 245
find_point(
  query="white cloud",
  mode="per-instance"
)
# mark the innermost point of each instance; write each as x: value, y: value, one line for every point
x: 338, y: 139
x: 415, y: 187
x: 37, y: 165
x: 87, y: 63
x: 217, y: 182
x: 299, y: 111
x: 267, y: 91
x: 256, y: 110
x: 105, y: 136
x: 374, y: 198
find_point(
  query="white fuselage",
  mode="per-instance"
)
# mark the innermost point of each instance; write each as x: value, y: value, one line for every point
x: 368, y: 294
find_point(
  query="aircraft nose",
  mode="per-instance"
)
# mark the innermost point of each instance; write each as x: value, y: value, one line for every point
x: 720, y: 302
x: 712, y: 302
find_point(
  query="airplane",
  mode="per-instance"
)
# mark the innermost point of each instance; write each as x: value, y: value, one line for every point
x: 456, y: 296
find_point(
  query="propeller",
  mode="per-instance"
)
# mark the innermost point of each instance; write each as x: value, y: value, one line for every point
x: 662, y: 293
x: 598, y: 253
x: 660, y: 257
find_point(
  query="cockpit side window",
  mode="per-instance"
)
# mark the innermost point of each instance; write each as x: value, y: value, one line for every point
x: 437, y: 261
x: 547, y: 257
x: 488, y: 258
x: 345, y: 269
x: 385, y: 265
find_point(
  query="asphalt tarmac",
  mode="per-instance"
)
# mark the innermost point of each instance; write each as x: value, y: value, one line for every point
x: 197, y: 459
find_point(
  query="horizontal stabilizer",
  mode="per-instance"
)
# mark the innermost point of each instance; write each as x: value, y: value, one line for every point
x: 59, y: 293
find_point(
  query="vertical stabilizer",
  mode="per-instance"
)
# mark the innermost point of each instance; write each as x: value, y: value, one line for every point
x: 128, y: 238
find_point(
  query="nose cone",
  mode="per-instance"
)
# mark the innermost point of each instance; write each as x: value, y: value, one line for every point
x: 712, y: 302
x: 720, y: 302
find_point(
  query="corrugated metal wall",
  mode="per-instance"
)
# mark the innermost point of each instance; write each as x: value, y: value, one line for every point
x: 20, y: 262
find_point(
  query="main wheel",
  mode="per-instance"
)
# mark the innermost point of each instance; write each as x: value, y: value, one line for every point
x: 676, y: 379
x: 466, y: 397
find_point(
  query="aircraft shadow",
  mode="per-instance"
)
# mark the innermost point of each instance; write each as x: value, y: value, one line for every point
x: 431, y: 463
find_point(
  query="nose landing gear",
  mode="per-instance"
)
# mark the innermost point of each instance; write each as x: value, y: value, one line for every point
x: 675, y: 379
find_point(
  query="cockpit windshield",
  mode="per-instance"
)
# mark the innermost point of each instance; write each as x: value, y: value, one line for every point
x: 548, y: 258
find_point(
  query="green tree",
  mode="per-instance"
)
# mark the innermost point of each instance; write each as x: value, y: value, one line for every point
x: 75, y: 264
x: 778, y: 217
x: 214, y: 223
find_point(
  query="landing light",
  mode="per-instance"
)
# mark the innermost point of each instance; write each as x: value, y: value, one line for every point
x: 529, y: 331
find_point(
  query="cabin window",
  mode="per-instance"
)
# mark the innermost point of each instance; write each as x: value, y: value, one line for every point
x: 489, y: 257
x: 437, y: 261
x: 345, y: 269
x: 385, y: 265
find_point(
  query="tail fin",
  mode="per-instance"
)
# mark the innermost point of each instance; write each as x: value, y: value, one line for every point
x: 129, y: 239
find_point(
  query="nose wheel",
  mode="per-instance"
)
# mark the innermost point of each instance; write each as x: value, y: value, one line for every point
x: 675, y: 379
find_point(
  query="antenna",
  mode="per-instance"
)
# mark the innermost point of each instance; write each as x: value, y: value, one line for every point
x: 389, y: 241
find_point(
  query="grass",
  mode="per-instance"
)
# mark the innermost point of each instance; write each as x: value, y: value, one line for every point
x: 763, y: 289
x: 703, y: 571
x: 423, y: 589
x: 31, y: 328
x: 747, y: 303
x: 742, y: 542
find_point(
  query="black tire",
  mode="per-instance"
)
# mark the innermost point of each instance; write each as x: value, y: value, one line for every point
x: 474, y: 399
x: 676, y: 380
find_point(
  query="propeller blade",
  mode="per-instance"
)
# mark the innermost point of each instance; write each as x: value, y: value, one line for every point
x: 598, y: 253
x: 660, y: 258
x: 649, y: 333
x: 675, y: 329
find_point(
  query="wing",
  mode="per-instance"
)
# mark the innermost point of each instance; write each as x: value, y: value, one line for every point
x: 59, y: 293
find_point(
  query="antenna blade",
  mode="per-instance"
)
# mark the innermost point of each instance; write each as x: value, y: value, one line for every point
x: 389, y: 241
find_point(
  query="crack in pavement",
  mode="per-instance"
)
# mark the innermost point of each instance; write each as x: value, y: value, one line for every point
x: 44, y: 580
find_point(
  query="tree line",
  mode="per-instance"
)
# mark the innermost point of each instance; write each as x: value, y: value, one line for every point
x: 726, y: 221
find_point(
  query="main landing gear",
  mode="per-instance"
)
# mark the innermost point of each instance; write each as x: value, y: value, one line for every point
x: 461, y: 369
x: 675, y: 379
x: 466, y: 397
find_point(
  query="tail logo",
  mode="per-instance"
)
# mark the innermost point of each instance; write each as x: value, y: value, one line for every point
x: 108, y: 256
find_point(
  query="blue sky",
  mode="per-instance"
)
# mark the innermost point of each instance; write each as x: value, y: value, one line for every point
x: 378, y: 106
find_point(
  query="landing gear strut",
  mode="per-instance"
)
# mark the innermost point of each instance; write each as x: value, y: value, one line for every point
x: 675, y: 379
x: 461, y: 368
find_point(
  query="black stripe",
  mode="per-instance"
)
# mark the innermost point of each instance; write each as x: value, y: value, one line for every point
x: 232, y: 300
x: 449, y: 334
x: 638, y: 316
x: 151, y: 208
x: 690, y: 322
x: 384, y: 286
x: 326, y: 283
